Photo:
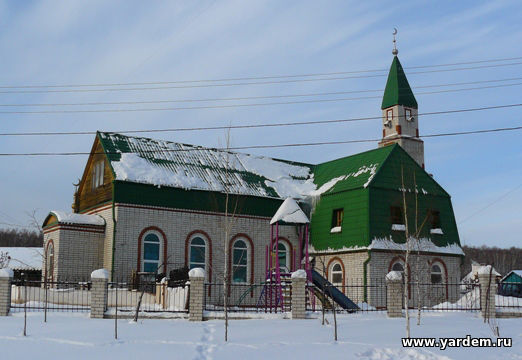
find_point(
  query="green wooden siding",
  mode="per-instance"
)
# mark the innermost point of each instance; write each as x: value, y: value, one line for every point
x: 143, y: 194
x: 380, y: 217
x: 512, y: 278
x: 367, y: 212
x: 355, y: 221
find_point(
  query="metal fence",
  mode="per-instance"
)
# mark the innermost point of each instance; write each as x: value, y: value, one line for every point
x: 151, y: 296
x: 50, y: 296
x: 509, y: 297
x: 259, y: 297
x: 451, y: 296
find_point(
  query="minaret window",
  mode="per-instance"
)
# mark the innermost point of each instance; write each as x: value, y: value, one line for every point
x: 389, y: 115
x: 407, y: 114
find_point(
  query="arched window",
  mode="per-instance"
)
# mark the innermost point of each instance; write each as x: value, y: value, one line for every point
x: 239, y: 261
x: 436, y: 274
x: 50, y: 261
x: 152, y: 248
x: 336, y: 276
x: 198, y: 253
x: 283, y: 253
x: 398, y: 267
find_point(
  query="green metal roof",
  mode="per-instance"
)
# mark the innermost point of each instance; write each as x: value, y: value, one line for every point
x: 355, y: 171
x: 398, y: 90
x: 189, y: 167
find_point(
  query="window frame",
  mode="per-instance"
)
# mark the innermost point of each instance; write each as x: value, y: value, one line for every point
x: 439, y: 273
x: 49, y: 259
x: 161, y: 242
x: 337, y: 221
x: 288, y: 258
x: 97, y: 174
x: 396, y: 215
x: 247, y: 264
x: 435, y: 219
x: 409, y: 117
x: 334, y: 272
x: 389, y: 115
x: 205, y: 256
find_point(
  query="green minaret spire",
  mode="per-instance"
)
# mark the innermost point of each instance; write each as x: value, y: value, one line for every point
x: 398, y: 90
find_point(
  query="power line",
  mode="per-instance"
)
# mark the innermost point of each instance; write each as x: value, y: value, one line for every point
x: 138, y: 102
x: 239, y: 105
x: 259, y: 146
x: 250, y: 126
x: 491, y: 204
x: 247, y: 83
x: 254, y: 77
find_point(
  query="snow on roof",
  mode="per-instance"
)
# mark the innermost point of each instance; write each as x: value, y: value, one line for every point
x: 164, y: 163
x: 23, y: 258
x: 487, y: 269
x: 82, y: 219
x: 517, y: 272
x: 290, y: 213
x: 197, y: 273
x: 394, y: 276
x: 423, y: 244
x: 299, y: 274
x: 100, y: 274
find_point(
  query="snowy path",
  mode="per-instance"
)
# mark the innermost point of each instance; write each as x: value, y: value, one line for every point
x: 362, y: 336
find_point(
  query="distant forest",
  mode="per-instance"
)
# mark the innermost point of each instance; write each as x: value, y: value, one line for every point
x: 504, y: 260
x: 20, y: 238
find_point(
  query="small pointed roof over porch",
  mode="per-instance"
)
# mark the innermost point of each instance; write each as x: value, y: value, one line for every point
x: 289, y: 213
x: 62, y: 217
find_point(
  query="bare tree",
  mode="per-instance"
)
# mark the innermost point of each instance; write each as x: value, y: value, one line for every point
x: 406, y: 292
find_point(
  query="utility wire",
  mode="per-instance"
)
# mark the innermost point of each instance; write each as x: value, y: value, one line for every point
x: 200, y: 148
x: 238, y: 105
x: 254, y: 77
x: 491, y: 204
x: 250, y: 126
x: 138, y: 102
x: 246, y: 83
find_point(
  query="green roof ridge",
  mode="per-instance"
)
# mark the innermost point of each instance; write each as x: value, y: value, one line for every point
x: 398, y: 90
x: 327, y: 171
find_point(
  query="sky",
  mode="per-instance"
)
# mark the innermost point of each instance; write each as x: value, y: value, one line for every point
x: 100, y: 42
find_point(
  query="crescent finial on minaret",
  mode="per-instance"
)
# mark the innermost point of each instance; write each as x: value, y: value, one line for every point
x: 395, y: 51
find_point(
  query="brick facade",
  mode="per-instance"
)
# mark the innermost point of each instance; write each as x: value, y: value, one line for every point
x: 379, y: 263
x: 90, y: 250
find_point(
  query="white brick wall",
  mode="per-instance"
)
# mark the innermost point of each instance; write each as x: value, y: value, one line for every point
x: 177, y: 225
x: 379, y: 266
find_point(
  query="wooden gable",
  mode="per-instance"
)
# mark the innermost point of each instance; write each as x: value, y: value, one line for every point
x: 89, y: 192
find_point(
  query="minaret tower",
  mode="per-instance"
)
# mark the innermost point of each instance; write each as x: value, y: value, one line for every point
x: 400, y: 112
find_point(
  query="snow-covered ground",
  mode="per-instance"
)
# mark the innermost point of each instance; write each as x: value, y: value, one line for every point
x: 361, y: 336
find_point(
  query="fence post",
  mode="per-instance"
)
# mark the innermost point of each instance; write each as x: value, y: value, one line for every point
x: 299, y: 294
x: 197, y: 294
x: 99, y: 293
x: 394, y: 294
x: 487, y: 298
x: 6, y: 275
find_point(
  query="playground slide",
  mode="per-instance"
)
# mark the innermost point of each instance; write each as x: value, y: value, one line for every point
x: 333, y: 292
